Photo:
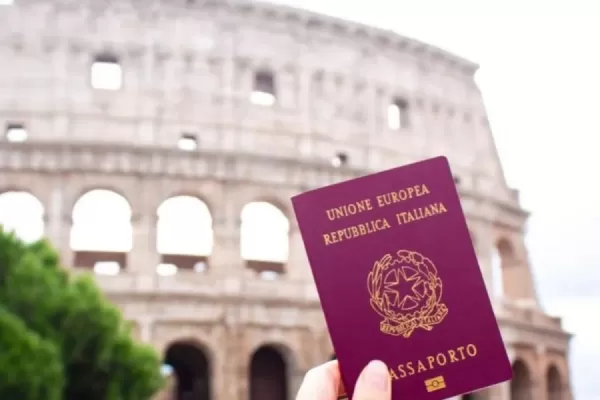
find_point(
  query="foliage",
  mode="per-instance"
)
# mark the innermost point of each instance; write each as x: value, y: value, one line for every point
x: 98, y: 358
x: 31, y: 367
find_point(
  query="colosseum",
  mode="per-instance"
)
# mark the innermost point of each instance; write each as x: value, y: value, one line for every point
x: 157, y: 143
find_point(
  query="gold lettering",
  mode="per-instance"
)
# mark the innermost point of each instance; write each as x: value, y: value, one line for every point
x: 330, y: 214
x: 433, y: 362
x: 452, y: 355
x: 372, y: 226
x: 401, y: 195
x: 355, y: 231
x: 406, y: 217
x: 471, y: 350
x: 441, y: 359
x: 349, y: 209
x: 411, y: 370
x: 402, y: 371
x: 393, y: 374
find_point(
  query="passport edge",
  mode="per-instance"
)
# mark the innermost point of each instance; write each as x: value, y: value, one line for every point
x: 343, y: 378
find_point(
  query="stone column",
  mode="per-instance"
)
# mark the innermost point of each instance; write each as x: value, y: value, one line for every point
x: 145, y: 329
x: 143, y: 257
x: 58, y: 225
x: 236, y: 365
x: 538, y: 374
x: 223, y: 379
x: 225, y: 258
x: 298, y: 267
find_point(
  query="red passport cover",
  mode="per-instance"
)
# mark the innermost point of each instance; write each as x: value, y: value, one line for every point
x: 399, y: 281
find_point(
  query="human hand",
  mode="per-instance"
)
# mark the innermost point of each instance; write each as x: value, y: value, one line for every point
x: 322, y: 382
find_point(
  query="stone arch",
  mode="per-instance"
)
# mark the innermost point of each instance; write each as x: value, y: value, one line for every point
x: 516, y: 276
x: 101, y: 234
x: 521, y: 385
x: 264, y: 237
x: 22, y: 213
x: 503, y: 257
x: 506, y: 251
x: 190, y: 364
x: 554, y: 383
x: 184, y: 234
x: 270, y: 372
x: 102, y: 187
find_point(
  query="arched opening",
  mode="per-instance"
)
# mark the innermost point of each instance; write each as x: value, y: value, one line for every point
x: 503, y: 258
x: 101, y: 235
x: 268, y: 375
x: 191, y: 369
x: 497, y: 286
x: 521, y: 387
x: 554, y: 384
x: 264, y: 238
x: 23, y: 214
x: 184, y: 235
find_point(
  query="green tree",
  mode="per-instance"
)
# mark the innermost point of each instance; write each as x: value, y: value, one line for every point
x: 30, y: 367
x: 100, y: 359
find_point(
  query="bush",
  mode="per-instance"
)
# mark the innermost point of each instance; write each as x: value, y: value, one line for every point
x: 99, y: 360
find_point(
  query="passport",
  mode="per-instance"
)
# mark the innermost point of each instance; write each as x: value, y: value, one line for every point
x: 399, y: 281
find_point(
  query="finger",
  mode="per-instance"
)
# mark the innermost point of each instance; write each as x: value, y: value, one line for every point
x: 320, y: 383
x: 373, y: 383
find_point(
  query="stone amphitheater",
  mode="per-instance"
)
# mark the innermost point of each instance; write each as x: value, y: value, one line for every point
x: 158, y: 142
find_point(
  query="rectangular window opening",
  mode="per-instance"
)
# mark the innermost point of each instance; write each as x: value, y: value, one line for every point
x: 263, y: 92
x: 187, y: 142
x: 15, y: 133
x: 398, y: 115
x: 106, y: 73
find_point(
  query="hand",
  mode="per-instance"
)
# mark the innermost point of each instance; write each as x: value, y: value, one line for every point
x: 322, y: 382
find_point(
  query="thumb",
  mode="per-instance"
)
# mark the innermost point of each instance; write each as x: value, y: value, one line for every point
x: 373, y: 383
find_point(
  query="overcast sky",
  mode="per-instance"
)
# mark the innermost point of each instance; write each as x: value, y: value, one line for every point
x: 540, y: 77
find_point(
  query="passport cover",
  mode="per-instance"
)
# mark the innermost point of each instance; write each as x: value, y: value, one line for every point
x: 399, y: 281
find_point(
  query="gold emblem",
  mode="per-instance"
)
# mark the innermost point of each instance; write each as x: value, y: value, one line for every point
x: 434, y: 384
x: 406, y: 291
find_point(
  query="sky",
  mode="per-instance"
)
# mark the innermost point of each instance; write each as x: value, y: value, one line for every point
x: 540, y: 79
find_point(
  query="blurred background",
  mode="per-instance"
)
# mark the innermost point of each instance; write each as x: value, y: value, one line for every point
x: 157, y: 143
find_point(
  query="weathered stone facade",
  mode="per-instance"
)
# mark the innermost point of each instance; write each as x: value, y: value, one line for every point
x: 189, y: 70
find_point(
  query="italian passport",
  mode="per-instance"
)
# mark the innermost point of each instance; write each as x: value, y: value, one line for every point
x: 399, y: 281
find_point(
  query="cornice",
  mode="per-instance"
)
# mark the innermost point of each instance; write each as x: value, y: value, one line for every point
x: 349, y: 29
x: 300, y: 174
x: 149, y: 161
x: 293, y: 18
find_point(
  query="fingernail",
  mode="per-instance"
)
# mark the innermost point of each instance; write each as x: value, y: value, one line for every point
x: 377, y: 376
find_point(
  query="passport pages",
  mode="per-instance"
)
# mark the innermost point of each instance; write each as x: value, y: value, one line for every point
x: 399, y: 281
